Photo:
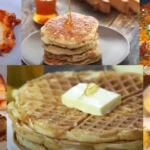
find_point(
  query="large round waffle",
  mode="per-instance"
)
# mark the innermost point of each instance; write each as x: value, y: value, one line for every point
x: 38, y: 105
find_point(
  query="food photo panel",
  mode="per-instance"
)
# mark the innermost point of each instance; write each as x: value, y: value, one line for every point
x: 10, y: 32
x: 76, y: 107
x: 82, y: 32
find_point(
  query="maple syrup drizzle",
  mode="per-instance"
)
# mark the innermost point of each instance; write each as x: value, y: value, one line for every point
x: 68, y: 23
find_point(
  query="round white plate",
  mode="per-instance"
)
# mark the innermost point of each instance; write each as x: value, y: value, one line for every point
x: 115, y: 47
x: 14, y: 57
x: 10, y: 143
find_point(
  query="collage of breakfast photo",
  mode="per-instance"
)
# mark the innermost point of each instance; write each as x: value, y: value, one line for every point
x: 74, y: 74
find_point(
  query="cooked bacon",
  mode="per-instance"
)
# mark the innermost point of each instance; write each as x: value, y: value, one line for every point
x: 143, y: 49
x: 7, y: 23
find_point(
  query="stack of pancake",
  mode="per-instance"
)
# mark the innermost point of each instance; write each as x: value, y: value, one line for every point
x: 71, y: 44
x: 42, y: 122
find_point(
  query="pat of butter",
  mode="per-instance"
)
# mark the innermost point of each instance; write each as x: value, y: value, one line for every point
x: 99, y: 103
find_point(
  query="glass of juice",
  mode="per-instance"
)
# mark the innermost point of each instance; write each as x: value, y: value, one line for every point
x: 19, y: 75
x: 45, y: 9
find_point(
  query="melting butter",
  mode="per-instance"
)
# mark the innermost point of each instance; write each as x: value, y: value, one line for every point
x: 90, y: 98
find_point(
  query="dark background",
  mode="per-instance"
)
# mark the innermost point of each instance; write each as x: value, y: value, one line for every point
x: 74, y: 68
x: 144, y: 2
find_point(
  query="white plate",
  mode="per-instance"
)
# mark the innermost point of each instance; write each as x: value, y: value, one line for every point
x: 3, y: 144
x: 114, y: 45
x: 10, y: 143
x: 14, y: 57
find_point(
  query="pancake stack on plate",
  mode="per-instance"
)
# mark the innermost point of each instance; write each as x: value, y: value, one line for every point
x: 75, y: 44
x: 42, y: 122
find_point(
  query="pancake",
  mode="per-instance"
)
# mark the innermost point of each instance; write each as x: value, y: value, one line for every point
x: 65, y: 51
x: 82, y: 32
x: 49, y: 61
x: 91, y: 53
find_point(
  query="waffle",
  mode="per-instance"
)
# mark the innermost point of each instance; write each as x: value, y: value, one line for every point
x: 38, y: 105
x: 2, y: 128
x: 121, y: 5
x: 26, y: 138
x: 52, y: 144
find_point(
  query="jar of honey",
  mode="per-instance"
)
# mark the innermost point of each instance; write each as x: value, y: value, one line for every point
x: 45, y: 9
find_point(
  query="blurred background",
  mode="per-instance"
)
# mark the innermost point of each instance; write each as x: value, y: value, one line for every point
x: 3, y: 72
x: 144, y: 2
x: 18, y: 75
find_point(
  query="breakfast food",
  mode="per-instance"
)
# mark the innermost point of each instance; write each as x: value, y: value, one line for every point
x: 41, y: 121
x: 7, y: 23
x: 121, y: 5
x: 86, y: 98
x: 145, y: 38
x: 74, y: 44
x: 146, y: 135
x: 2, y: 128
x: 3, y: 102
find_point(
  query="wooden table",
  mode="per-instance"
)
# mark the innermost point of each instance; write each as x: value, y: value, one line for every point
x: 126, y: 24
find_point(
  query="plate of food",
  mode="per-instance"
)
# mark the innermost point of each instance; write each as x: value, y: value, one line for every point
x: 43, y: 119
x: 83, y: 42
x: 145, y: 38
x: 10, y: 46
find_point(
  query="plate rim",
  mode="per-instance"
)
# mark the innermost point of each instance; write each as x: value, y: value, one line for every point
x: 127, y: 41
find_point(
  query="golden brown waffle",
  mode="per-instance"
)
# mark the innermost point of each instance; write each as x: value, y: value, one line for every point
x: 38, y: 104
x: 26, y: 138
x: 121, y: 5
x: 52, y: 144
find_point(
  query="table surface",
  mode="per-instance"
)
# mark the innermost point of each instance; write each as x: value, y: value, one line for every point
x: 126, y: 24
